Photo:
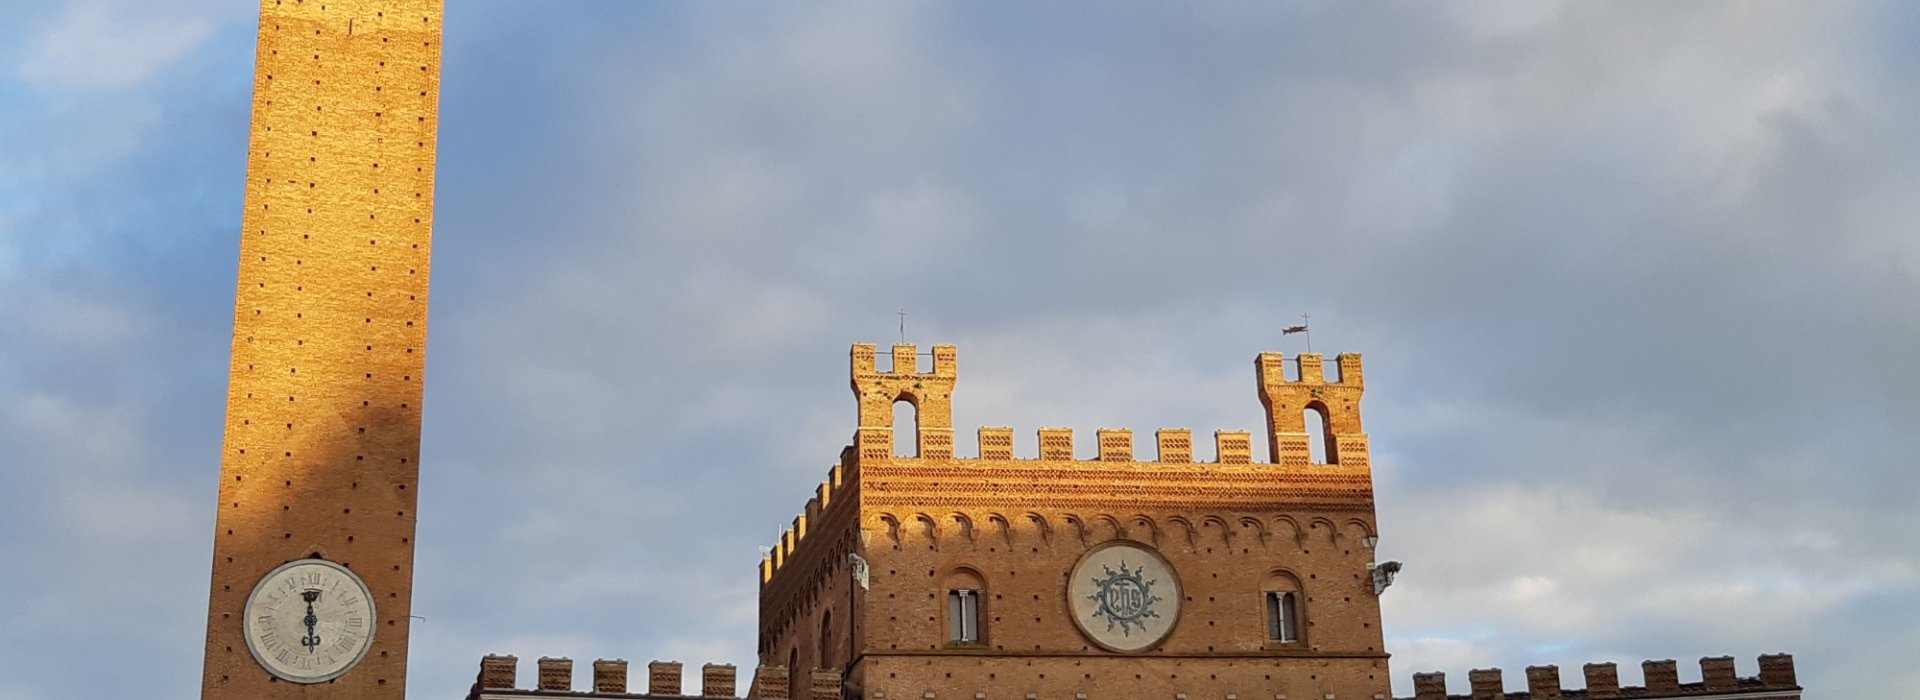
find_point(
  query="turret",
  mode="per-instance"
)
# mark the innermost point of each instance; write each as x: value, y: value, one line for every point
x: 1337, y: 402
x: 930, y: 394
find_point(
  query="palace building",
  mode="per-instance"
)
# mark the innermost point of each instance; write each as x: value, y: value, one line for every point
x: 1059, y: 575
x: 1062, y: 577
x: 938, y: 576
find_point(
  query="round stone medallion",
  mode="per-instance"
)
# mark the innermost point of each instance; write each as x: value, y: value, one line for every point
x: 1124, y: 596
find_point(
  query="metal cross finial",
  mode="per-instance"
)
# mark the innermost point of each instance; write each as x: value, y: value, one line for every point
x: 903, y: 326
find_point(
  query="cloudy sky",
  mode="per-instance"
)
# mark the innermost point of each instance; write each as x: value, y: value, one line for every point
x: 1635, y: 284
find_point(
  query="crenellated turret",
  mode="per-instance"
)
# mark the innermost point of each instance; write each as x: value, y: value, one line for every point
x: 1337, y: 404
x: 930, y: 394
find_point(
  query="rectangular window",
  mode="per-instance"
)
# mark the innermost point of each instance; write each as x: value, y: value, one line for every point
x: 1282, y: 617
x: 963, y: 616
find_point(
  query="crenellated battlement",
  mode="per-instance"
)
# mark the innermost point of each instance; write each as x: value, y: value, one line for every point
x: 1345, y: 475
x: 1286, y: 399
x: 824, y: 504
x: 555, y: 678
x: 906, y: 361
x: 813, y: 547
x: 1310, y: 369
x: 1114, y: 447
x: 1111, y: 446
x: 1718, y: 678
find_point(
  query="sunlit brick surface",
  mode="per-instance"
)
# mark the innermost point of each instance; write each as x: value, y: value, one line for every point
x: 1232, y: 529
x: 323, y: 408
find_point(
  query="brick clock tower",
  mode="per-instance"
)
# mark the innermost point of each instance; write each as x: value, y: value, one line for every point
x: 1057, y: 576
x: 313, y: 547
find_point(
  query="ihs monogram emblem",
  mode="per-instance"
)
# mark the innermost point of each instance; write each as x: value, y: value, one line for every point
x: 1124, y: 598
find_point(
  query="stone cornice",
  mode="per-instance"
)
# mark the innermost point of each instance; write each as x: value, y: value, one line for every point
x: 902, y: 482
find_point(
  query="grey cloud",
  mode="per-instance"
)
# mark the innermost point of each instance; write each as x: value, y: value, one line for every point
x: 1631, y: 283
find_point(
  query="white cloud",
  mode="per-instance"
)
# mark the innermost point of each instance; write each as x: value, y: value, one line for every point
x: 92, y: 438
x: 111, y: 46
x: 71, y: 322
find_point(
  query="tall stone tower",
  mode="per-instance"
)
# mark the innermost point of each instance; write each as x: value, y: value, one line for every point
x: 313, y: 551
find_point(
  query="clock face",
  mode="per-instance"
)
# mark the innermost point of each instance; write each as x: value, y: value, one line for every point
x: 309, y: 621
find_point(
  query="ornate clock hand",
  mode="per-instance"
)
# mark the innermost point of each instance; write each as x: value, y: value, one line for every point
x: 312, y: 640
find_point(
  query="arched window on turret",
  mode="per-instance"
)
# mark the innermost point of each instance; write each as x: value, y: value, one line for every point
x: 1319, y: 436
x: 906, y: 429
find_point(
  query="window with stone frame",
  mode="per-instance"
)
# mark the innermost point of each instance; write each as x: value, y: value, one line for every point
x: 1283, y: 617
x: 1282, y: 602
x: 966, y: 603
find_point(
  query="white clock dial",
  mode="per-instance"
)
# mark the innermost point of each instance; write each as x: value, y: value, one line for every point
x: 309, y: 621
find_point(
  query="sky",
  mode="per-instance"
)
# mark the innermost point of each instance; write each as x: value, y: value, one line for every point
x: 1634, y: 282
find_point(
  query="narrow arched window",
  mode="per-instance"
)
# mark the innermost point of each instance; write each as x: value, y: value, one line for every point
x: 1283, y: 616
x: 963, y: 615
x: 966, y: 603
x: 1319, y: 438
x: 794, y: 686
x: 906, y: 429
x: 825, y: 659
x: 1285, y: 612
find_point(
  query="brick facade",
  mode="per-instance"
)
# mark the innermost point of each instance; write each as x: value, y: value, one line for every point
x: 1233, y: 529
x: 322, y: 435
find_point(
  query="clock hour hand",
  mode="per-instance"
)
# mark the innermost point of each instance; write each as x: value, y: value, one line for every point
x: 312, y: 640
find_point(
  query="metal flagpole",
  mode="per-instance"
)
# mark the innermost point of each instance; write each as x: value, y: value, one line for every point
x: 1302, y: 328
